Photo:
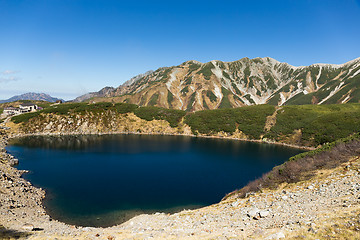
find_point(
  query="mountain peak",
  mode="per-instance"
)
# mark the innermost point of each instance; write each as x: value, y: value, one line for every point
x: 32, y: 96
x: 194, y: 86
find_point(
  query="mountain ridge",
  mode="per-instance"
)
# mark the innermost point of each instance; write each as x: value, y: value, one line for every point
x: 194, y: 86
x: 32, y: 96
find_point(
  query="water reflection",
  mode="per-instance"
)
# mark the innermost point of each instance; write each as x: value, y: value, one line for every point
x: 115, y: 143
x: 112, y: 177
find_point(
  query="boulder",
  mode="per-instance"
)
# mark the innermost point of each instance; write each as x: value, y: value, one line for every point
x: 27, y: 227
x: 253, y: 212
x: 264, y: 213
x: 13, y: 162
x: 277, y: 235
x: 284, y: 197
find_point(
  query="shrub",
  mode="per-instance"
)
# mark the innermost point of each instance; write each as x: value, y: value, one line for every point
x: 211, y: 96
x: 319, y: 124
x: 303, y: 166
x: 191, y: 102
x: 150, y: 113
x: 250, y: 120
x: 24, y: 117
x: 206, y: 70
x: 125, y: 107
x: 225, y: 102
x: 170, y: 98
x: 153, y: 99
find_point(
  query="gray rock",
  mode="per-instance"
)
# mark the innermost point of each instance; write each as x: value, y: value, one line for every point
x: 13, y: 162
x: 264, y: 213
x: 253, y: 212
x: 28, y: 227
x: 277, y: 235
x: 235, y: 204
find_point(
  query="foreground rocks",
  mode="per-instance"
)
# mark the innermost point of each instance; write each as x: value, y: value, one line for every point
x: 303, y: 210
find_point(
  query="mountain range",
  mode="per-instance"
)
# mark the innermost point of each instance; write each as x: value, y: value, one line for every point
x: 194, y: 86
x: 32, y: 96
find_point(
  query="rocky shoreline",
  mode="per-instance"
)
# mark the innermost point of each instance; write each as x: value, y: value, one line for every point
x: 291, y: 211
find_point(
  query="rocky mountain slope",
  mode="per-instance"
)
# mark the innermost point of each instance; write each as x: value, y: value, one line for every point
x: 194, y: 86
x: 109, y: 91
x: 32, y: 96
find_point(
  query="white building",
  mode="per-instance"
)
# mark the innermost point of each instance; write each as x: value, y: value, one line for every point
x: 28, y: 107
x: 10, y: 111
x: 23, y: 108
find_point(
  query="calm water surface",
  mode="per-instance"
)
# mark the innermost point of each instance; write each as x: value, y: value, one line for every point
x: 105, y: 180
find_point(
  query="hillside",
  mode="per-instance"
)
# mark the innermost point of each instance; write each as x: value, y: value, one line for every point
x: 194, y: 86
x: 32, y: 96
x: 305, y: 125
x: 314, y: 194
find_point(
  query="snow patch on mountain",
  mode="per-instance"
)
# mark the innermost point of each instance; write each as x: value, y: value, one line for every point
x: 217, y: 71
x: 332, y: 93
x: 346, y: 99
x: 172, y: 79
x: 356, y: 73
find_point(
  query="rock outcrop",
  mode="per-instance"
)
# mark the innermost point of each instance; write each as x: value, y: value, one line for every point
x: 96, y: 123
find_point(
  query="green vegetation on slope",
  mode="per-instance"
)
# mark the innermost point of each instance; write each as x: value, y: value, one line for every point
x: 191, y: 102
x: 24, y: 117
x: 147, y: 113
x: 206, y: 70
x: 211, y: 96
x: 170, y: 98
x: 125, y: 107
x: 153, y: 100
x: 225, y: 102
x: 319, y: 124
x: 151, y: 113
x: 185, y: 90
x: 193, y: 66
x: 250, y: 120
x: 305, y: 125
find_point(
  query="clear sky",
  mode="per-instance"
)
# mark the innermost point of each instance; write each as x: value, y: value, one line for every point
x: 69, y: 47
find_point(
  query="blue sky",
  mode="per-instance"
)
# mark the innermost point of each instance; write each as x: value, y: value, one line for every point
x: 69, y: 47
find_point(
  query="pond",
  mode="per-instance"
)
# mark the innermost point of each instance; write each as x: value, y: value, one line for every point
x: 105, y: 180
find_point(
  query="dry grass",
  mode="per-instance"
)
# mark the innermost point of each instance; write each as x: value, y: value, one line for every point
x: 336, y: 225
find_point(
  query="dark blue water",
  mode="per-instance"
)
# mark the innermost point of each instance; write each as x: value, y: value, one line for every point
x: 105, y: 180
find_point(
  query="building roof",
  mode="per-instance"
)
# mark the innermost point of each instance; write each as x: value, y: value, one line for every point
x: 11, y: 108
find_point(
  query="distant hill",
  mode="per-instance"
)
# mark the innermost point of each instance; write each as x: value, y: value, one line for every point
x: 32, y: 96
x: 194, y: 86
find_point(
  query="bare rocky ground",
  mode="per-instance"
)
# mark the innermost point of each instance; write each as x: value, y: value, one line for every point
x: 326, y: 207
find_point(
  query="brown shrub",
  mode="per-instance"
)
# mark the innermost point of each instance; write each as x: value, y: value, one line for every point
x: 302, y: 168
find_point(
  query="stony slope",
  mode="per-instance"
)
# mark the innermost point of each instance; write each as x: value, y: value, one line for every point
x: 194, y: 86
